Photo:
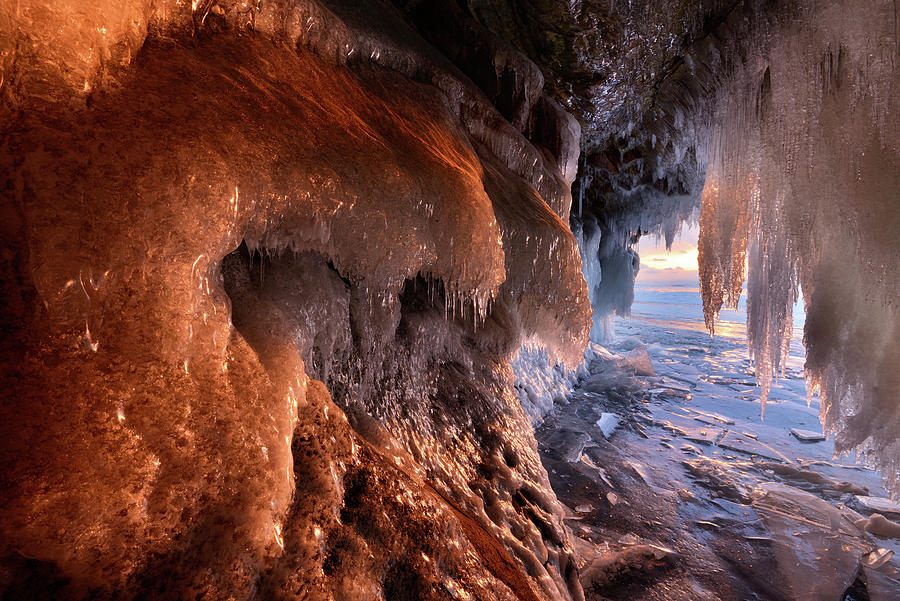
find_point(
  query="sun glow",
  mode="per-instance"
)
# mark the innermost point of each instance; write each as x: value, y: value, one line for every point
x: 683, y: 256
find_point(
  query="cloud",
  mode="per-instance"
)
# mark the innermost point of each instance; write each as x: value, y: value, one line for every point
x: 682, y: 257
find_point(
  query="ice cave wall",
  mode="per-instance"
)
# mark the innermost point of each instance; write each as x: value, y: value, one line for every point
x: 264, y: 268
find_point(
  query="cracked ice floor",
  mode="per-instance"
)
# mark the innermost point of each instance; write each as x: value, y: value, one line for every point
x: 749, y: 511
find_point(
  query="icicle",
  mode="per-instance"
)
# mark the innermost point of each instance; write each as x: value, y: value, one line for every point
x: 801, y: 191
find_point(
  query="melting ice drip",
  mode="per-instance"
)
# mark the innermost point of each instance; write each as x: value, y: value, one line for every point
x: 802, y: 188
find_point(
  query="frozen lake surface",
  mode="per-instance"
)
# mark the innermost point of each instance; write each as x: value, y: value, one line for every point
x: 667, y: 317
x: 676, y: 486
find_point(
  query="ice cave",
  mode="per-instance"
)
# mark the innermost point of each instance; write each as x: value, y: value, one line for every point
x: 477, y: 300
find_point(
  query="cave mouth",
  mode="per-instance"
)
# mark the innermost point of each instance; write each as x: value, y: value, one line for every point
x: 196, y: 409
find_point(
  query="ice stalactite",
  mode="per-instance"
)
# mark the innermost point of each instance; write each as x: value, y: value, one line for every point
x: 802, y: 184
x: 589, y: 240
x: 609, y: 267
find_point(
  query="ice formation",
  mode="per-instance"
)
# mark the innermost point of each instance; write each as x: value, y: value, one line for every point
x: 264, y: 269
x: 271, y: 271
x: 802, y: 187
x: 781, y: 122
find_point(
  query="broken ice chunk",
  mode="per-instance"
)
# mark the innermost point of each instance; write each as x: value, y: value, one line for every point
x: 603, y: 568
x: 639, y: 360
x: 736, y: 442
x: 708, y: 524
x: 679, y: 387
x: 607, y: 423
x: 630, y: 539
x: 569, y: 444
x: 807, y: 435
x: 600, y: 471
x: 877, y: 558
x: 816, y: 479
x: 879, y: 504
x: 705, y: 436
x: 638, y: 470
x: 712, y: 418
x: 816, y: 546
x: 879, y: 526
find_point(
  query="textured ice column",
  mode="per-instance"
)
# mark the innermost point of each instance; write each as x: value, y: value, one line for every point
x: 619, y: 264
x: 610, y: 266
x: 732, y: 183
x: 771, y: 293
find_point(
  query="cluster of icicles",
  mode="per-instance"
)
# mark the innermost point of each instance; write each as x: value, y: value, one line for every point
x: 801, y: 196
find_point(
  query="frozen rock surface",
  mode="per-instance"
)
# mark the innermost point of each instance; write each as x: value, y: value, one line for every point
x: 264, y: 270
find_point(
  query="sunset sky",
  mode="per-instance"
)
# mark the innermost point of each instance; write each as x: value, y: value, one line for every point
x: 679, y: 265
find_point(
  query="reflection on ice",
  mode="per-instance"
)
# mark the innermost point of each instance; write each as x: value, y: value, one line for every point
x: 692, y: 466
x: 817, y: 546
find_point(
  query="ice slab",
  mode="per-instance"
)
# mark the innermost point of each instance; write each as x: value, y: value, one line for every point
x: 706, y: 436
x: 639, y: 360
x: 630, y: 539
x: 572, y: 448
x: 737, y: 442
x: 607, y: 423
x: 879, y: 526
x: 677, y: 386
x: 689, y: 449
x: 817, y: 547
x: 638, y: 470
x: 877, y: 558
x: 714, y: 419
x: 879, y: 504
x: 600, y: 471
x: 807, y: 435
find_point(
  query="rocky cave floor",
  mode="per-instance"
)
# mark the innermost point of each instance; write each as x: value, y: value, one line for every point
x: 693, y: 496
